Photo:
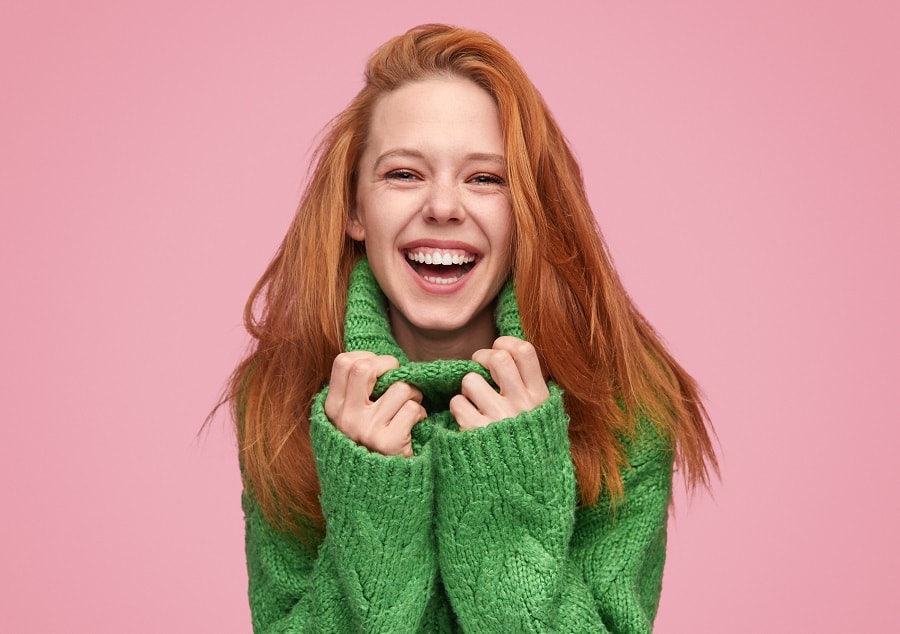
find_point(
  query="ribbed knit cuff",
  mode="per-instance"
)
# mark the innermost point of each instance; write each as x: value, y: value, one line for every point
x: 530, y: 450
x: 352, y: 477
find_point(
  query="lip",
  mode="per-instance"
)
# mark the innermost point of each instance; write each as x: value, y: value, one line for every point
x: 433, y: 288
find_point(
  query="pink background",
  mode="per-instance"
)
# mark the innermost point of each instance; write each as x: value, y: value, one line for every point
x: 744, y: 164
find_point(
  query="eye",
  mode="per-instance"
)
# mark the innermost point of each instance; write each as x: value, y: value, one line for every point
x: 487, y: 179
x: 402, y: 175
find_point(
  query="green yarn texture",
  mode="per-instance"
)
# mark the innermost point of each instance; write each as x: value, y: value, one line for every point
x: 479, y: 531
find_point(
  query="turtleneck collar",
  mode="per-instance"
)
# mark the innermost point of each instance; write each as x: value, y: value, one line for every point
x: 367, y: 327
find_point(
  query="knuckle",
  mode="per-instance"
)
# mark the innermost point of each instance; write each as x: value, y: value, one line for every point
x: 405, y: 389
x: 410, y: 411
x: 517, y: 345
x: 388, y: 360
x: 341, y: 362
x: 344, y: 361
x: 397, y: 391
x: 409, y: 407
x: 470, y: 380
x: 524, y: 347
x: 360, y: 369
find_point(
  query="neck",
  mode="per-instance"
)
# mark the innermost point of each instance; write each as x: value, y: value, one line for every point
x: 430, y: 345
x: 370, y: 324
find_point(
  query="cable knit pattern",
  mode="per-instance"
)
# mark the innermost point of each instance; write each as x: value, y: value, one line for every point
x: 479, y: 531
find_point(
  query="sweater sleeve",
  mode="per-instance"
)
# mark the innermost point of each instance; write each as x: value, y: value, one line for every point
x: 375, y: 569
x: 514, y: 553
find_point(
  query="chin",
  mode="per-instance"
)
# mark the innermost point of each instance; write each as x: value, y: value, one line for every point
x: 446, y: 318
x: 437, y: 325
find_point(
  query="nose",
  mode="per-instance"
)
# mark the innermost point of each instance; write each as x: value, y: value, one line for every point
x: 444, y: 203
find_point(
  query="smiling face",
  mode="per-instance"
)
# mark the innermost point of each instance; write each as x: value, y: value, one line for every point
x: 433, y: 208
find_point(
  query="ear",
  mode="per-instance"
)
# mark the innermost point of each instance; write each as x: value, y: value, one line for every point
x: 355, y: 227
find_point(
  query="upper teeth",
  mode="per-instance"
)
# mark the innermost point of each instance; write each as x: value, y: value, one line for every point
x: 444, y: 257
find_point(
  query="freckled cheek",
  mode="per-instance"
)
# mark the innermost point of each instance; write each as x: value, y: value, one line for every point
x: 384, y: 208
x: 394, y: 201
x: 497, y: 209
x: 494, y: 202
x: 506, y: 230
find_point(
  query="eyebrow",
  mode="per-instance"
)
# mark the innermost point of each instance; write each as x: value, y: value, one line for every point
x: 410, y: 153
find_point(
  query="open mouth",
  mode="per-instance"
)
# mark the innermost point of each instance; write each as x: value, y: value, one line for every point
x: 440, y: 266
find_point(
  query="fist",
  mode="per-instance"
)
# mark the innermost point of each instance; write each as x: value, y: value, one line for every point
x: 384, y: 425
x: 515, y: 368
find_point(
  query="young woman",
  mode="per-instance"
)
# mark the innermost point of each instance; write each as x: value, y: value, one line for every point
x: 453, y: 418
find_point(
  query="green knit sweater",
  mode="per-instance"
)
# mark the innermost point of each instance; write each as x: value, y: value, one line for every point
x: 479, y: 531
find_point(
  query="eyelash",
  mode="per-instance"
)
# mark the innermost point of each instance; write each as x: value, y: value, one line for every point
x: 481, y: 179
x: 403, y: 175
x: 488, y: 179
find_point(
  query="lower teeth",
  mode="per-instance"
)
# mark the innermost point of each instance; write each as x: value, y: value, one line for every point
x: 441, y: 280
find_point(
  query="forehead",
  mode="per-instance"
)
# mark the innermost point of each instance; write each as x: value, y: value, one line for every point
x: 445, y: 112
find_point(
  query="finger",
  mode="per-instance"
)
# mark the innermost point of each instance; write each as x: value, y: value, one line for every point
x: 504, y: 371
x: 527, y: 361
x: 398, y: 434
x: 466, y: 414
x: 485, y: 399
x: 526, y: 358
x: 362, y: 376
x: 337, y: 384
x: 389, y: 403
x: 341, y: 366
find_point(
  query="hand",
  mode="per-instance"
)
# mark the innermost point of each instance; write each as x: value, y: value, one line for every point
x: 384, y: 426
x: 515, y: 368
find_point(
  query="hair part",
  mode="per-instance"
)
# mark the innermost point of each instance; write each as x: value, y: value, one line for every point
x: 588, y: 333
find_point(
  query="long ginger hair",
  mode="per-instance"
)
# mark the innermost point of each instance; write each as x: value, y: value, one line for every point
x: 588, y: 333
